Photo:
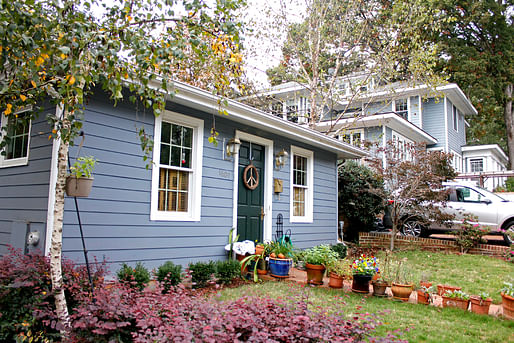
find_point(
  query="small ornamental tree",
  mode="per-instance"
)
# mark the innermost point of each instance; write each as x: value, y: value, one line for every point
x: 413, y: 180
x: 358, y: 202
x: 60, y: 51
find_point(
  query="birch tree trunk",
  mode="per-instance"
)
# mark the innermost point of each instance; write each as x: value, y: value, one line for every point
x: 509, y: 123
x: 56, y: 242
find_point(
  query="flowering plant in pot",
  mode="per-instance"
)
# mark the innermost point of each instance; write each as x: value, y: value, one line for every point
x: 507, y: 293
x: 316, y: 259
x: 80, y: 180
x: 480, y: 303
x: 382, y: 279
x: 363, y: 270
x: 457, y: 299
x: 339, y: 270
x: 401, y: 285
x: 425, y: 294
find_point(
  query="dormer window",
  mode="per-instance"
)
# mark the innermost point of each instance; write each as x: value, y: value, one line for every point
x: 401, y: 108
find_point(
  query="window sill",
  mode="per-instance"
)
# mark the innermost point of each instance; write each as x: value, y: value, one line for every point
x: 301, y: 220
x: 173, y: 217
x: 14, y: 162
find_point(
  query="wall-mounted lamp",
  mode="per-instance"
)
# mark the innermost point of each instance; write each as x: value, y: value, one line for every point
x: 281, y: 159
x: 231, y: 148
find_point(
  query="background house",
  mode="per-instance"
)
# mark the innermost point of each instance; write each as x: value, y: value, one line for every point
x: 396, y: 112
x: 182, y: 207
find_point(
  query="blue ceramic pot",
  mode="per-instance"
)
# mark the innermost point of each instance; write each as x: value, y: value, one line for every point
x: 279, y: 267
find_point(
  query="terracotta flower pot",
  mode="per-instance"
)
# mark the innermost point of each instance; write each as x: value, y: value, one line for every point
x: 480, y: 306
x: 425, y: 284
x: 335, y: 281
x: 379, y: 288
x: 508, y: 306
x: 315, y: 273
x: 441, y: 289
x: 401, y: 291
x: 360, y: 283
x: 259, y: 249
x: 455, y: 302
x: 423, y: 298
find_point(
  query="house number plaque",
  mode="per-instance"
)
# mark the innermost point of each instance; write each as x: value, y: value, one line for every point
x: 251, y: 177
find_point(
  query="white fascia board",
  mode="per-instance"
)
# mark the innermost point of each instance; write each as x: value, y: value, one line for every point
x: 238, y: 112
x: 487, y: 147
x: 457, y: 97
x: 391, y: 120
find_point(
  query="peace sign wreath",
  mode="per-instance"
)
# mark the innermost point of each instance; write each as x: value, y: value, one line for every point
x: 251, y: 177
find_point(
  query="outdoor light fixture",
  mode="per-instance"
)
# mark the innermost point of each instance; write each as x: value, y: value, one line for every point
x: 232, y: 147
x: 281, y: 159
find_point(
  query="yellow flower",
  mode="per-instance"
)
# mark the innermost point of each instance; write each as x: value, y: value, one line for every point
x: 71, y: 80
x: 8, y: 110
x: 23, y: 97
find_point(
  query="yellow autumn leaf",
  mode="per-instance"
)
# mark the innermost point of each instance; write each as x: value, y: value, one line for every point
x: 71, y: 80
x: 39, y: 61
x: 23, y: 97
x: 45, y: 56
x: 8, y: 110
x: 33, y: 83
x: 129, y: 18
x: 63, y: 56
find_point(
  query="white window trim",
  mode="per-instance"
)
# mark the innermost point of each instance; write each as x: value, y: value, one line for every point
x: 457, y: 157
x: 309, y: 196
x: 195, y: 183
x: 408, y: 107
x: 404, y: 140
x: 23, y: 161
x: 476, y: 159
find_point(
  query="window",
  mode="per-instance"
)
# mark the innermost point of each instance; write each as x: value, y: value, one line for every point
x: 455, y: 118
x: 401, y: 108
x: 302, y: 180
x: 476, y: 165
x: 456, y: 161
x: 354, y: 137
x: 403, y: 146
x: 465, y: 194
x: 277, y: 109
x: 18, y: 136
x: 177, y: 172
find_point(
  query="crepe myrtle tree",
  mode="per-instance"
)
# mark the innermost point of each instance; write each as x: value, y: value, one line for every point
x: 413, y: 190
x: 59, y: 51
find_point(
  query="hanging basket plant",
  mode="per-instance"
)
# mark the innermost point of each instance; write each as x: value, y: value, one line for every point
x: 80, y: 181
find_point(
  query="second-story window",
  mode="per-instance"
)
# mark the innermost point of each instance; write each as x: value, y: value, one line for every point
x: 277, y: 109
x: 401, y: 108
x: 455, y: 118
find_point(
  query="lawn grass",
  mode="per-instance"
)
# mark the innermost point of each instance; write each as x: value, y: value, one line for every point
x: 421, y: 323
x: 474, y: 273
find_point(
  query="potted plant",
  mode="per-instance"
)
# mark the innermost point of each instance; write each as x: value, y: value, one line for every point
x: 507, y: 294
x: 363, y: 270
x: 425, y: 294
x: 383, y: 278
x: 401, y: 285
x: 338, y: 271
x: 480, y: 303
x: 457, y: 299
x: 280, y: 258
x: 423, y: 282
x: 441, y: 289
x: 80, y: 180
x: 254, y: 263
x: 316, y: 259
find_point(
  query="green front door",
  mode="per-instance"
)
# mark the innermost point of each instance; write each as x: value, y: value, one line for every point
x: 250, y: 202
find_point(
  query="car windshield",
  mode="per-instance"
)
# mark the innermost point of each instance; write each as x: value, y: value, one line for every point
x: 491, y: 195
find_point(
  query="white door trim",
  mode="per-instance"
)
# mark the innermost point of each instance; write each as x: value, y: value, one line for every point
x: 268, y: 178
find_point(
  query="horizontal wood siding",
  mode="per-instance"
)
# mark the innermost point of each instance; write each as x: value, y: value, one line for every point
x: 456, y: 139
x: 116, y: 216
x: 433, y: 121
x: 24, y: 190
x: 378, y: 107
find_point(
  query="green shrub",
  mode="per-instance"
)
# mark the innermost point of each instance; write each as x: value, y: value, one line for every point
x: 137, y: 277
x: 340, y: 249
x: 201, y: 273
x: 169, y: 274
x: 358, y: 205
x: 509, y: 184
x: 227, y: 270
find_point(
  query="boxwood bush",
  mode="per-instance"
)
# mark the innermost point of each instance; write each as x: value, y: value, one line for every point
x: 169, y: 275
x: 201, y: 273
x: 228, y: 270
x: 137, y: 277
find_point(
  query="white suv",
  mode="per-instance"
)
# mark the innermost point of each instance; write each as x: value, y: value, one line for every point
x: 492, y: 210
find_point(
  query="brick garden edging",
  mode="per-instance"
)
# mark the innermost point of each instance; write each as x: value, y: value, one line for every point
x: 382, y: 240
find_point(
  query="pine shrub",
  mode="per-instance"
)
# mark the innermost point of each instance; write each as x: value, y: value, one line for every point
x: 169, y: 275
x: 228, y: 270
x: 201, y: 273
x: 137, y: 277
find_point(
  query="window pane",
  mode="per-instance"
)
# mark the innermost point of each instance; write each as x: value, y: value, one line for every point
x: 17, y: 146
x: 186, y: 158
x: 188, y: 137
x: 176, y: 135
x: 299, y: 170
x: 173, y: 190
x: 166, y: 132
x: 298, y: 201
x: 175, y: 156
x: 165, y: 154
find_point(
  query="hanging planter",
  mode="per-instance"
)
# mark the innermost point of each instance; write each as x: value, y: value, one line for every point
x: 80, y: 181
x: 78, y: 187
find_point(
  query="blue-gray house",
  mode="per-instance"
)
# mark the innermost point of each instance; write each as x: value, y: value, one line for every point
x: 182, y: 207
